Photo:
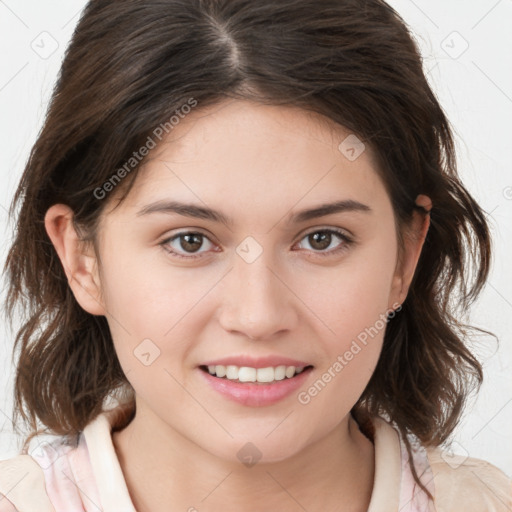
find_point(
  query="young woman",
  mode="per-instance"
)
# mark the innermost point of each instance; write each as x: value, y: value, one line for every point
x: 239, y: 236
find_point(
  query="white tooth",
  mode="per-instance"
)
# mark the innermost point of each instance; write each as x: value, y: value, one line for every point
x: 220, y: 370
x: 265, y: 374
x: 279, y: 372
x: 232, y: 372
x: 246, y: 374
x: 290, y: 371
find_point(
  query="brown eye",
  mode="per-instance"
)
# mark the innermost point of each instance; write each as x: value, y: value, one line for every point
x: 185, y: 243
x: 323, y: 239
x: 320, y: 240
x: 191, y: 243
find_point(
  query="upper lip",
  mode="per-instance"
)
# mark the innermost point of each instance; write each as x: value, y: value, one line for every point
x: 257, y: 362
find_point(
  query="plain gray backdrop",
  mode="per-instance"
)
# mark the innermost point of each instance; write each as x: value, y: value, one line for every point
x: 467, y: 49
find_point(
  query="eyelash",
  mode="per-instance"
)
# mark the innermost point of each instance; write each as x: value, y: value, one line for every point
x: 346, y: 239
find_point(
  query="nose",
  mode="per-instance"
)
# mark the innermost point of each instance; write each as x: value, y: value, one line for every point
x: 257, y: 302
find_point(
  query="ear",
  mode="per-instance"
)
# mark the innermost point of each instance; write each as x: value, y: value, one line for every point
x: 77, y: 258
x: 414, y: 239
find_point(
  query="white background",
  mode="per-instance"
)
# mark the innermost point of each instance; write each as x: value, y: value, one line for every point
x: 467, y: 49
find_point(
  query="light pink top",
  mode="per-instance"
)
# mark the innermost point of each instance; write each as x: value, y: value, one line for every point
x: 87, y: 477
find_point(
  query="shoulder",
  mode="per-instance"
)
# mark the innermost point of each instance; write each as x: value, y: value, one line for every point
x: 468, y: 484
x: 35, y: 481
x: 58, y: 476
x: 22, y: 484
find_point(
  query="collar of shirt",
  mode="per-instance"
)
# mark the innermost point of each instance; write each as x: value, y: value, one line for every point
x: 393, y: 487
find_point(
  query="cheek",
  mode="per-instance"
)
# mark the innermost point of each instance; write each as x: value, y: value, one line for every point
x: 353, y: 315
x: 155, y: 314
x: 353, y: 297
x: 146, y: 294
x: 352, y: 304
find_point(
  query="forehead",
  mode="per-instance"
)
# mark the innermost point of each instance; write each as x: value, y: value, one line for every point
x: 279, y: 130
x: 247, y: 157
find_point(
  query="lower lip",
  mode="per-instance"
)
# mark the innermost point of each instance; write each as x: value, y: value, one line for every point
x: 256, y: 395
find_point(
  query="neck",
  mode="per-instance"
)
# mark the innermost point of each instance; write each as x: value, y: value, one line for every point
x: 165, y: 471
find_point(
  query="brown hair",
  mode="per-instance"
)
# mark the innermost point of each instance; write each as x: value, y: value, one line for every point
x: 130, y: 65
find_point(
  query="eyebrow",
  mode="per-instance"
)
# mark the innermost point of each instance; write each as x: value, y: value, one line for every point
x: 200, y: 212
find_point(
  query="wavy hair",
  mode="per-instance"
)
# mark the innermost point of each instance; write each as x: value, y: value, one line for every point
x: 130, y: 66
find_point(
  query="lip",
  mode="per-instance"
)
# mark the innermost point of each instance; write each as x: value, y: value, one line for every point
x: 256, y: 395
x: 259, y: 362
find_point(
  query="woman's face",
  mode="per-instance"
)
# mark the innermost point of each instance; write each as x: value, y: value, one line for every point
x: 258, y: 284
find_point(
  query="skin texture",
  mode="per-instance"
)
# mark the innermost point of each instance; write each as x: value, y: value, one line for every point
x: 257, y: 164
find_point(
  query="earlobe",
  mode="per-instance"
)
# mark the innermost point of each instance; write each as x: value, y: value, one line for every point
x: 413, y: 245
x: 77, y: 258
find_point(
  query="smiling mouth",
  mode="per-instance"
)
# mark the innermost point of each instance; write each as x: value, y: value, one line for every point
x: 247, y: 374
